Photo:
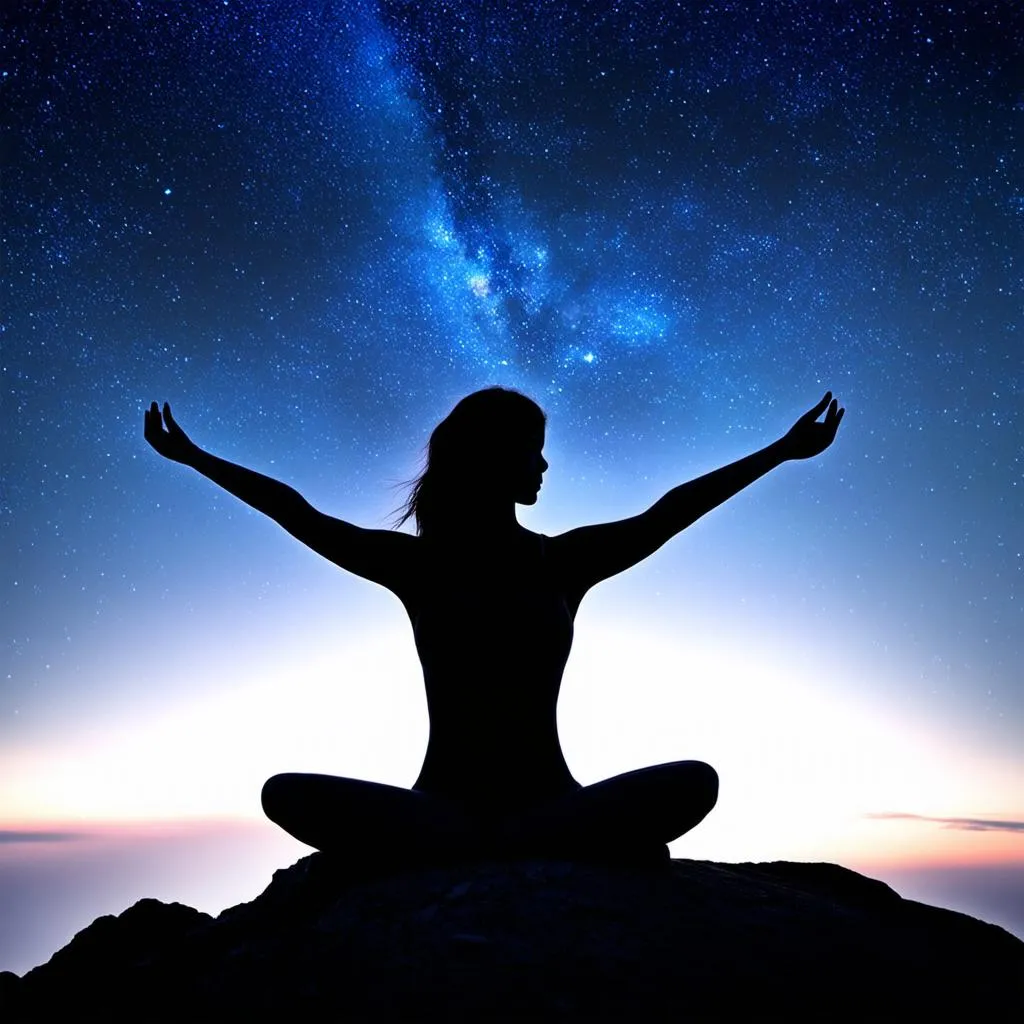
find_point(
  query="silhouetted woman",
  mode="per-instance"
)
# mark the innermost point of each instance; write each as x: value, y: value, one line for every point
x: 492, y: 607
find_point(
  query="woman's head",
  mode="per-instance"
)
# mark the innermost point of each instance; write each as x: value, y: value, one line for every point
x: 486, y: 450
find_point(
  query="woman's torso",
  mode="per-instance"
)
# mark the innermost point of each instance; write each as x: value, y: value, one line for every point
x: 493, y: 630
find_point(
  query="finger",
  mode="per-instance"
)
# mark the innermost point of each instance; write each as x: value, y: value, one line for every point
x: 171, y: 425
x: 814, y: 413
x: 832, y: 421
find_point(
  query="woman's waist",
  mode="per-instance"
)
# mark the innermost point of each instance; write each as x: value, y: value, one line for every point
x: 494, y: 732
x: 474, y: 693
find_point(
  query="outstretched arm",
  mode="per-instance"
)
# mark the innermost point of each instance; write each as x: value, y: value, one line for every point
x: 378, y: 555
x: 593, y: 553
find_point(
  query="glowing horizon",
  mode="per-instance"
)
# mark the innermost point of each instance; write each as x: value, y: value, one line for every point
x: 806, y: 772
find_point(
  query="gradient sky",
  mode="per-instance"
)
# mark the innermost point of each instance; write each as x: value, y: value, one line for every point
x: 313, y: 227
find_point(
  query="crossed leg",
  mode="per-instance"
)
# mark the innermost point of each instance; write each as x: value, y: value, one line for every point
x: 366, y: 820
x: 640, y: 810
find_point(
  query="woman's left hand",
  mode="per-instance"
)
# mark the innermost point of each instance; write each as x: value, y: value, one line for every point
x: 172, y: 443
x: 807, y: 437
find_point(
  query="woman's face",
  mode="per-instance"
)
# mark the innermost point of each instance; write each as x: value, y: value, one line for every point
x: 527, y: 467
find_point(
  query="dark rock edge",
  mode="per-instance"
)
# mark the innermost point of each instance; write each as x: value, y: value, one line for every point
x: 538, y: 940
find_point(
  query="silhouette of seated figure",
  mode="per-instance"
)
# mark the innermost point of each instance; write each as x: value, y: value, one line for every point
x: 492, y: 606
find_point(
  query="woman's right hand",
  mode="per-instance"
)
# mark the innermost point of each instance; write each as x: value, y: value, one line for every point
x: 172, y: 443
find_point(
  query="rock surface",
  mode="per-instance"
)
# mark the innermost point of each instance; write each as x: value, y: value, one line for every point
x: 538, y: 941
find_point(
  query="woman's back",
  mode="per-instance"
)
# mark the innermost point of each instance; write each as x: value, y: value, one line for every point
x: 493, y: 629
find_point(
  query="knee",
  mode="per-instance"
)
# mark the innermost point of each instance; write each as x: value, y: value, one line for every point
x: 275, y: 796
x: 705, y: 780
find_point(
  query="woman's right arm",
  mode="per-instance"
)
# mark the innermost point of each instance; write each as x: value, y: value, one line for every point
x: 378, y: 555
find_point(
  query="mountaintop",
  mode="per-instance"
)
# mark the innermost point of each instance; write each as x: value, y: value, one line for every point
x: 539, y: 940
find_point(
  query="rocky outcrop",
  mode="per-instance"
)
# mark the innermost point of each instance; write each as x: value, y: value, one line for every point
x: 538, y: 941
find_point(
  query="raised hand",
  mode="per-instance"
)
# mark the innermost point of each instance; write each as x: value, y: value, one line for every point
x: 172, y: 443
x: 807, y: 437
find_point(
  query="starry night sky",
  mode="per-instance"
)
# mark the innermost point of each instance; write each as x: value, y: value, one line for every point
x: 312, y: 227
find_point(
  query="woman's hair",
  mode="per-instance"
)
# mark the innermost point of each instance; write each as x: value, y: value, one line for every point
x: 465, y: 450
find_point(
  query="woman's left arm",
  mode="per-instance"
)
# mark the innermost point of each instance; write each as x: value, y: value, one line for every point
x: 593, y: 553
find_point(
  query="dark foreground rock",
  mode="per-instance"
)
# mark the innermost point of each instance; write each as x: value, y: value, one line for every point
x: 537, y: 941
